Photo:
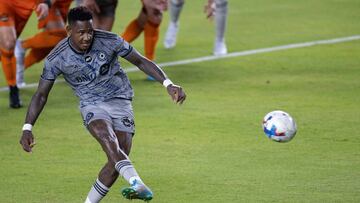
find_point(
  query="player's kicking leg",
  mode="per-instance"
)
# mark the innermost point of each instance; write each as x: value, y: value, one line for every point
x: 118, y: 163
x: 137, y: 189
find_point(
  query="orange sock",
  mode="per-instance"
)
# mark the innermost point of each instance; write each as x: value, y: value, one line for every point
x: 9, y: 66
x: 151, y: 34
x: 45, y: 39
x: 35, y: 56
x: 132, y: 31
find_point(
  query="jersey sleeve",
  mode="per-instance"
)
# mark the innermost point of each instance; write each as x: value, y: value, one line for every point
x: 123, y: 48
x: 50, y: 71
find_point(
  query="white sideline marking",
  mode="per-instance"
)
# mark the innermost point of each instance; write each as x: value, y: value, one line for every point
x: 231, y: 55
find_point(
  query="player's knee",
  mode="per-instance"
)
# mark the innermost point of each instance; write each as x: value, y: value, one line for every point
x: 8, y: 44
x: 154, y: 16
x: 155, y: 20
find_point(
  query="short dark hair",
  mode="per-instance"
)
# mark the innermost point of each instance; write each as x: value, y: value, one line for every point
x: 80, y: 13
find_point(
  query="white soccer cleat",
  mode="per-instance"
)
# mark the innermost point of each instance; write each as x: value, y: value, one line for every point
x: 170, y: 36
x: 20, y: 67
x: 220, y: 48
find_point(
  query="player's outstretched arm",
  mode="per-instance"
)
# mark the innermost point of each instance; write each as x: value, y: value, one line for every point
x: 150, y: 68
x: 37, y: 103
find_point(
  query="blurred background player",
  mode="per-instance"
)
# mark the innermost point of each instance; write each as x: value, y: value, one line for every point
x: 217, y: 8
x: 42, y: 43
x: 148, y: 21
x: 103, y: 12
x: 13, y: 16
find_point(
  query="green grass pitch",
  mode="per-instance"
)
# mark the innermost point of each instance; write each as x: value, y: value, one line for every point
x: 212, y: 149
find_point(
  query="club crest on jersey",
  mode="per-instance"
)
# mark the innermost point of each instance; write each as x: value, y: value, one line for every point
x: 102, y: 56
x: 88, y: 59
x: 104, y: 69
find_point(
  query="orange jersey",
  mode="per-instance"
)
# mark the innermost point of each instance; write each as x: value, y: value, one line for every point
x: 154, y: 9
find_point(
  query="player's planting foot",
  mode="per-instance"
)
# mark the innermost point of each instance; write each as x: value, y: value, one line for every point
x: 137, y: 190
x: 20, y: 57
x: 170, y: 36
x: 15, y: 101
x: 220, y: 48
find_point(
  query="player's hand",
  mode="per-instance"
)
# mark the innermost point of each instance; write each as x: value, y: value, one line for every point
x: 209, y: 9
x: 27, y: 141
x: 42, y: 10
x: 177, y: 93
x: 92, y: 6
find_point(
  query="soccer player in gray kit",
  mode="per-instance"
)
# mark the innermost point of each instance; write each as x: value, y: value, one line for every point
x: 87, y: 59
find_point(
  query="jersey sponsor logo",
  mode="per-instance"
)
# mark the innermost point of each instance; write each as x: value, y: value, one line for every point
x: 85, y: 78
x: 104, y: 69
x: 128, y: 122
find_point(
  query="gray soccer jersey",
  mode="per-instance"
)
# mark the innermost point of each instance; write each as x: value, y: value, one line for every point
x: 94, y: 76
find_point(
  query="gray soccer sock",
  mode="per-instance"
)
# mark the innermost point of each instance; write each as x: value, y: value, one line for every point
x: 175, y: 10
x: 97, y: 192
x: 220, y: 18
x: 127, y: 170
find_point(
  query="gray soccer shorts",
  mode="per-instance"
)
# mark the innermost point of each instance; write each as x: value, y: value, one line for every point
x: 118, y: 112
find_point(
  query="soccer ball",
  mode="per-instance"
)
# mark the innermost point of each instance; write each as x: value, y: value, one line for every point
x: 279, y: 126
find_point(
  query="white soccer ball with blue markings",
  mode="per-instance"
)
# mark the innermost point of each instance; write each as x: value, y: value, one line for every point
x: 279, y: 126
